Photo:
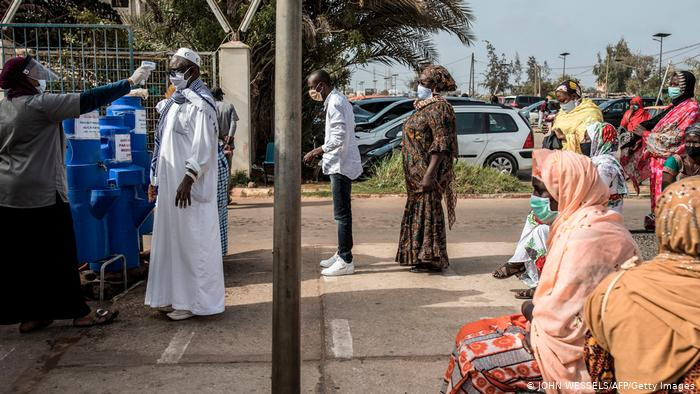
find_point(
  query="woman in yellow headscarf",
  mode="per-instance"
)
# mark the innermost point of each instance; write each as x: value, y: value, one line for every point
x: 575, y: 116
x: 644, y: 322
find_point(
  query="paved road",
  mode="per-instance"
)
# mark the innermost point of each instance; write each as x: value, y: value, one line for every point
x: 383, y: 330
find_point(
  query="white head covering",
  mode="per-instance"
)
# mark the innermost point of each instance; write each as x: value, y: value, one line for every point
x: 190, y: 55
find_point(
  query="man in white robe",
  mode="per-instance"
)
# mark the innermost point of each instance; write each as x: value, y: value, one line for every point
x: 186, y: 270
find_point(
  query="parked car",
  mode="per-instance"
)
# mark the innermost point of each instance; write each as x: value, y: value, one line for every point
x: 599, y: 100
x: 655, y: 109
x: 361, y: 115
x: 375, y: 104
x: 521, y: 101
x: 402, y: 107
x: 532, y: 111
x: 614, y: 110
x: 488, y: 135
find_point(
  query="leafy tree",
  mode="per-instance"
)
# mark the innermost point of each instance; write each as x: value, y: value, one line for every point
x: 517, y: 71
x: 62, y: 11
x: 336, y: 35
x: 497, y: 75
x: 608, y: 67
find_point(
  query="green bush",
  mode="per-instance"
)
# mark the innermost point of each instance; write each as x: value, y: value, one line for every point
x: 239, y: 179
x: 388, y: 178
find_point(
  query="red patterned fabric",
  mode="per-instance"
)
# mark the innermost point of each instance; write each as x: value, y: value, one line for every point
x: 490, y: 358
x: 667, y: 138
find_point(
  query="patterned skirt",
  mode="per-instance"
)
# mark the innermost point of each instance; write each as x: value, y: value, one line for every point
x: 222, y: 199
x: 490, y: 357
x: 601, y: 367
x: 423, y: 236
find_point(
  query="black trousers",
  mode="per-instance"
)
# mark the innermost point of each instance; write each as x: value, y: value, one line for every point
x: 341, y: 188
x: 39, y: 277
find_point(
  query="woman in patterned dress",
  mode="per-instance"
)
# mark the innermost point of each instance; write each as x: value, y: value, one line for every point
x: 545, y: 343
x: 604, y: 145
x: 644, y: 321
x: 667, y: 137
x: 429, y: 149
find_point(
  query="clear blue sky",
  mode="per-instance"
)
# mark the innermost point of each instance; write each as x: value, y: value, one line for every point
x: 545, y: 28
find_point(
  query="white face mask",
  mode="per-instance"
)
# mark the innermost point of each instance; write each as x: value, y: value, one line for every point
x: 42, y: 86
x: 178, y: 80
x: 569, y: 106
x: 423, y: 93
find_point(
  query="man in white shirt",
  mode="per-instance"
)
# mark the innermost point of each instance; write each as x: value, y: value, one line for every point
x: 186, y: 271
x: 341, y: 161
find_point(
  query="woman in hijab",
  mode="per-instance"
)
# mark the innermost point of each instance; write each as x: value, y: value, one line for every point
x: 686, y: 165
x: 429, y: 150
x: 33, y: 197
x: 531, y: 252
x: 668, y: 133
x: 575, y: 116
x: 632, y: 148
x: 644, y: 321
x: 586, y: 243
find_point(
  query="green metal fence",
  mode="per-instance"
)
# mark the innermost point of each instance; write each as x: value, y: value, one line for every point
x: 84, y: 56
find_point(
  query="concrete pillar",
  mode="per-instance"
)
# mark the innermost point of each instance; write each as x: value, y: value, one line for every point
x: 234, y: 79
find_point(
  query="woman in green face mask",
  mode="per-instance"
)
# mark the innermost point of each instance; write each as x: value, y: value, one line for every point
x: 667, y: 135
x: 686, y: 165
x: 531, y: 251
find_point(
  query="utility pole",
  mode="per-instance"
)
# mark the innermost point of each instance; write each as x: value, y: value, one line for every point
x: 471, y: 77
x: 563, y: 56
x: 374, y: 79
x: 396, y: 93
x: 607, y: 74
x: 286, y: 271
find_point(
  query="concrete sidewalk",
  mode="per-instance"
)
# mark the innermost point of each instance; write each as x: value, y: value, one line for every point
x: 382, y: 330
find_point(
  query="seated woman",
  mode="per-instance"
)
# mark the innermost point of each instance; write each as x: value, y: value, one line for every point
x: 644, y: 322
x: 531, y: 253
x: 587, y: 242
x: 604, y: 144
x: 686, y: 165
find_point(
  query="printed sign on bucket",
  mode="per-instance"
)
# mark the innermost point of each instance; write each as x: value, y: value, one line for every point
x: 122, y: 147
x: 87, y: 126
x: 140, y: 118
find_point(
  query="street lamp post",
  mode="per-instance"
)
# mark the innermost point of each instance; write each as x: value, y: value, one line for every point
x: 563, y: 56
x: 659, y: 37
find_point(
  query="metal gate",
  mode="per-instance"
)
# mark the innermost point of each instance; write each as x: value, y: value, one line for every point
x: 86, y: 56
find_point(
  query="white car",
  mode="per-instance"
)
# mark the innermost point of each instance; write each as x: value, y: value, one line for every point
x: 488, y: 135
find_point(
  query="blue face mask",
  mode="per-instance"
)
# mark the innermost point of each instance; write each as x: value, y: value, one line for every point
x: 674, y: 92
x: 540, y: 206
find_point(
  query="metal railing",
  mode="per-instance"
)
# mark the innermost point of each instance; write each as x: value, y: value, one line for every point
x: 84, y: 56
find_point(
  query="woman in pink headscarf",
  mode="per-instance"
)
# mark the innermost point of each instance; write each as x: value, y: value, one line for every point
x: 587, y: 241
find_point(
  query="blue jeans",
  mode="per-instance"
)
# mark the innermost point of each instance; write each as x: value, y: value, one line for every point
x: 341, y: 187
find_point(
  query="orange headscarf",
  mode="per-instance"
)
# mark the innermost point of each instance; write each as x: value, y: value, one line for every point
x: 586, y: 243
x: 633, y: 118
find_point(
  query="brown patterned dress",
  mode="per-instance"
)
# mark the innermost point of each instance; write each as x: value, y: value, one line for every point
x: 423, y: 235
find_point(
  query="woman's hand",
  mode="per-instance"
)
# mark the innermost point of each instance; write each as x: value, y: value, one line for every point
x: 560, y: 134
x: 526, y: 309
x: 427, y: 184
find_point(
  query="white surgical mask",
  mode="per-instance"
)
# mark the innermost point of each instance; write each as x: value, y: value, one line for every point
x: 178, y: 80
x: 423, y: 93
x: 42, y: 86
x: 569, y: 106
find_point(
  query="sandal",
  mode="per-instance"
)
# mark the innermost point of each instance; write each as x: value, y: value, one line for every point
x: 507, y: 270
x: 34, y: 325
x: 525, y: 294
x: 99, y: 318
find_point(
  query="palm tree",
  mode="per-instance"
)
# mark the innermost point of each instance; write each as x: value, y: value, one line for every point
x: 338, y: 34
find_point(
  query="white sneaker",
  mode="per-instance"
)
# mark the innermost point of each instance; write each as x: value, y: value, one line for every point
x: 340, y: 267
x: 327, y: 263
x: 180, y: 314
